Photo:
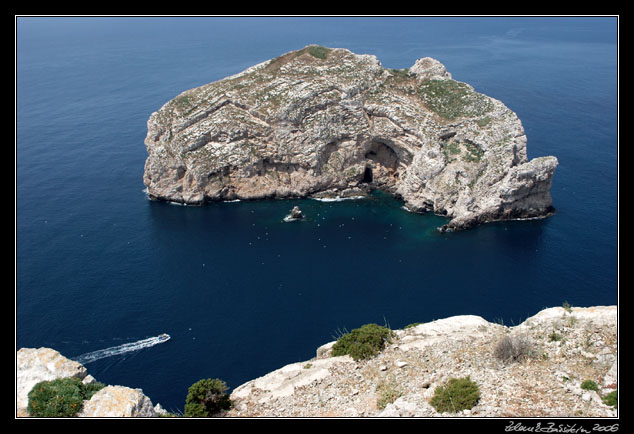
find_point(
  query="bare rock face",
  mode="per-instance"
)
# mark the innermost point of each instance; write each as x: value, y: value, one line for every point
x: 327, y: 121
x: 428, y: 68
x: 118, y: 401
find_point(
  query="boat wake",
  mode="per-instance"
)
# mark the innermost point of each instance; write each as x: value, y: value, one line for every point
x: 122, y: 349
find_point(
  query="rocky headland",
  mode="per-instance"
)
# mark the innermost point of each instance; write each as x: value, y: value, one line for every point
x: 562, y: 348
x: 328, y: 122
x: 34, y: 365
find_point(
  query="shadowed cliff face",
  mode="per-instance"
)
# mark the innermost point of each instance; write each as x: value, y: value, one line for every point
x: 322, y: 121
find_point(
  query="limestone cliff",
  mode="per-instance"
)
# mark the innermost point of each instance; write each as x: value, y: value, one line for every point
x: 321, y: 121
x: 566, y: 347
x: 563, y: 349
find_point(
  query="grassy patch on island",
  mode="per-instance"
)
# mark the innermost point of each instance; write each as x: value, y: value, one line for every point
x: 452, y: 99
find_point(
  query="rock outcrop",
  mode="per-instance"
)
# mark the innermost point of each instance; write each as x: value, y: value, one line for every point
x: 562, y: 347
x: 42, y: 364
x: 327, y: 121
x: 118, y: 401
x: 34, y: 365
x: 295, y: 214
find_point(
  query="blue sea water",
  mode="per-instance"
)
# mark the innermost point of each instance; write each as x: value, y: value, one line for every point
x: 240, y: 292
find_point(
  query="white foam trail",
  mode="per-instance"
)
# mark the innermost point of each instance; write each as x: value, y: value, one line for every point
x: 120, y: 349
x: 338, y: 198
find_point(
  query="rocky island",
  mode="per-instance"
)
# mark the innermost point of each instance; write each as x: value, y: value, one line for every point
x: 328, y: 122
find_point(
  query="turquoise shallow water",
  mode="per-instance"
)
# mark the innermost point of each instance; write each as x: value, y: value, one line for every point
x: 240, y: 291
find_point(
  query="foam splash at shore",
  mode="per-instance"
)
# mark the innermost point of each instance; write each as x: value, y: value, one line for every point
x: 338, y: 198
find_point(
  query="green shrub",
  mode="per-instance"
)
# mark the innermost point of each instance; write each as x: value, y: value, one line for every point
x: 206, y: 398
x: 362, y: 343
x: 62, y: 397
x: 611, y: 399
x: 318, y: 51
x: 589, y: 385
x: 457, y: 395
x: 195, y: 409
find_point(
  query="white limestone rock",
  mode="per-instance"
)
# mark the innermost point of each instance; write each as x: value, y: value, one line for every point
x: 421, y: 358
x: 118, y: 401
x: 283, y: 382
x: 428, y: 68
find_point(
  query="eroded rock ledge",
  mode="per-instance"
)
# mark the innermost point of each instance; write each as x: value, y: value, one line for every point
x: 327, y: 121
x: 568, y: 347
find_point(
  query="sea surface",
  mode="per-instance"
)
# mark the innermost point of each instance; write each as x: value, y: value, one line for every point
x: 241, y: 293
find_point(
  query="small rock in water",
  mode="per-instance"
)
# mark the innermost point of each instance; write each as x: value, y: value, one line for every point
x: 296, y: 214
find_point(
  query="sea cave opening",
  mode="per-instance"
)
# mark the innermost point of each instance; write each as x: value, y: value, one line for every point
x: 367, y: 175
x: 381, y: 165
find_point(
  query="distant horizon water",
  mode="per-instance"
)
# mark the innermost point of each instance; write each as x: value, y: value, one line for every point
x: 240, y: 291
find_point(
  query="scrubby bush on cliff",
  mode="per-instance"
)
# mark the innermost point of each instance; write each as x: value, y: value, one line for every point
x: 590, y: 385
x: 362, y: 343
x: 457, y: 395
x: 206, y: 398
x: 62, y: 397
x: 611, y: 399
x: 513, y: 349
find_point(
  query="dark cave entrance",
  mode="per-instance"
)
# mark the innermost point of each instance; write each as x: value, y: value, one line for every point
x: 367, y: 175
x: 381, y: 165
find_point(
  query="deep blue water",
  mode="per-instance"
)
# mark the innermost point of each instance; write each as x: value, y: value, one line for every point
x: 240, y: 292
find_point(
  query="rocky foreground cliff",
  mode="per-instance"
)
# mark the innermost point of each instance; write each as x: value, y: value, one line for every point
x: 321, y: 121
x: 565, y: 347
